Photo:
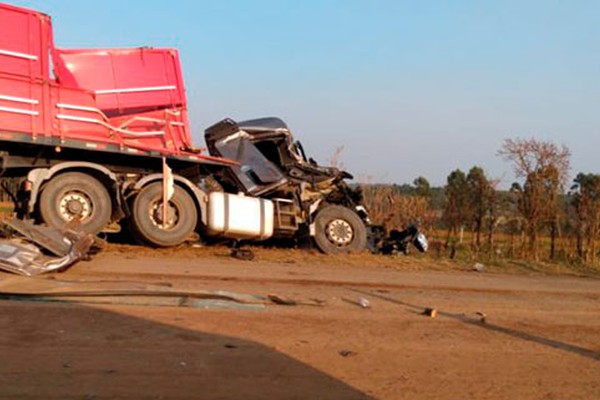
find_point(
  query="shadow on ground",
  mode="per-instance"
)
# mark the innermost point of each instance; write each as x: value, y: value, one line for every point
x: 69, y: 351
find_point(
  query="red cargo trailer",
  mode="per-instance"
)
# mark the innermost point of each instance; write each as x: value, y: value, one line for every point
x: 125, y: 100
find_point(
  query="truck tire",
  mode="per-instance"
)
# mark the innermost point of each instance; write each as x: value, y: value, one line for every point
x: 146, y: 216
x: 75, y: 195
x: 339, y: 230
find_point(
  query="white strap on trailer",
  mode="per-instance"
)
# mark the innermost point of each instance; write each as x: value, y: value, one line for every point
x: 18, y: 55
x: 135, y: 89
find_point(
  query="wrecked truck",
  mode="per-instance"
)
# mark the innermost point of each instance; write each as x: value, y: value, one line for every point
x: 308, y: 199
x: 101, y: 136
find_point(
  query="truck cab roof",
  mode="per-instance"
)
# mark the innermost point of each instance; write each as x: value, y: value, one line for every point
x: 263, y: 124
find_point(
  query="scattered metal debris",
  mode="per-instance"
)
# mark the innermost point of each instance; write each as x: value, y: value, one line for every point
x: 222, y: 304
x: 482, y: 316
x: 282, y: 300
x: 361, y: 302
x: 137, y: 293
x: 347, y: 353
x: 242, y: 254
x: 145, y: 301
x: 22, y: 253
x: 48, y: 238
x: 55, y: 288
x: 317, y: 302
x: 397, y: 242
x: 364, y: 303
x: 478, y: 267
x: 430, y: 312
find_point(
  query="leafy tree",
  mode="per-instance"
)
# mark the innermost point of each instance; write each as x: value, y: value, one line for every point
x: 456, y: 209
x: 585, y: 199
x: 480, y: 194
x: 422, y: 187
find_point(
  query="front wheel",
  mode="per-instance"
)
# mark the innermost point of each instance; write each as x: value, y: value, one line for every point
x: 146, y: 220
x: 339, y: 230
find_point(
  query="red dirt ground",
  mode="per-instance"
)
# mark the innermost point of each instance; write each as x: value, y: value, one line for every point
x: 540, y: 338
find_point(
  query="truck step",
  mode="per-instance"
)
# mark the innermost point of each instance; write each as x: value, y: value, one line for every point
x: 285, y: 215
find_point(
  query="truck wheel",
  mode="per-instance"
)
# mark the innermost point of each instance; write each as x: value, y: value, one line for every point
x: 339, y: 230
x: 75, y: 195
x: 146, y: 218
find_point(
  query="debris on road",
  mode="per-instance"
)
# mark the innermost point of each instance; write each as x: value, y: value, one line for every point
x: 397, y: 242
x: 482, y: 316
x: 360, y: 302
x: 347, y: 353
x: 478, y: 267
x: 137, y: 293
x: 430, y: 312
x: 242, y: 254
x: 123, y: 292
x: 24, y: 250
x: 282, y: 300
x: 364, y: 303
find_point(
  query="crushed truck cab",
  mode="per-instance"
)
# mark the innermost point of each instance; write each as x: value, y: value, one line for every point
x: 309, y: 199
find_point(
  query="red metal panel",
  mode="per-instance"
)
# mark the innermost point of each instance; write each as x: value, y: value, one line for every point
x: 131, y: 86
x: 25, y: 38
x: 73, y: 116
x: 20, y: 41
x: 20, y: 105
x: 124, y: 79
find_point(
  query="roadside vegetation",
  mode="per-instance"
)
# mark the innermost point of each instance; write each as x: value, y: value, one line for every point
x: 544, y: 221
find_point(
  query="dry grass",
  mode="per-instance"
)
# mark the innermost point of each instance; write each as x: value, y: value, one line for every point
x: 395, y: 211
x: 509, y: 252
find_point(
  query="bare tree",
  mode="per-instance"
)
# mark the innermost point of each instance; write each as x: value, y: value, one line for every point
x: 544, y: 166
x: 335, y: 159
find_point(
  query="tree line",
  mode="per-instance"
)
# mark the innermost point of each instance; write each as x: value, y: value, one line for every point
x: 543, y: 216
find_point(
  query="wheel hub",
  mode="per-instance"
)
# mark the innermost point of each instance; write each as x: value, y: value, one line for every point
x: 75, y: 204
x: 157, y: 215
x: 74, y: 207
x: 339, y: 232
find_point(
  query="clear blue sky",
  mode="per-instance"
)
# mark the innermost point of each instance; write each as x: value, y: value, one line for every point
x: 408, y: 88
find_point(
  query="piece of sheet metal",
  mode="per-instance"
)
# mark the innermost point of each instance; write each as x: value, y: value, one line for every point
x: 50, y: 239
x: 24, y: 255
x: 143, y: 301
x: 62, y: 288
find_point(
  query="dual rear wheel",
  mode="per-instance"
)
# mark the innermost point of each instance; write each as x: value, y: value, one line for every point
x: 147, y: 220
x: 79, y: 196
x: 75, y: 196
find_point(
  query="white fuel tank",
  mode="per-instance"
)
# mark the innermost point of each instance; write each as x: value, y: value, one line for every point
x: 239, y: 217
